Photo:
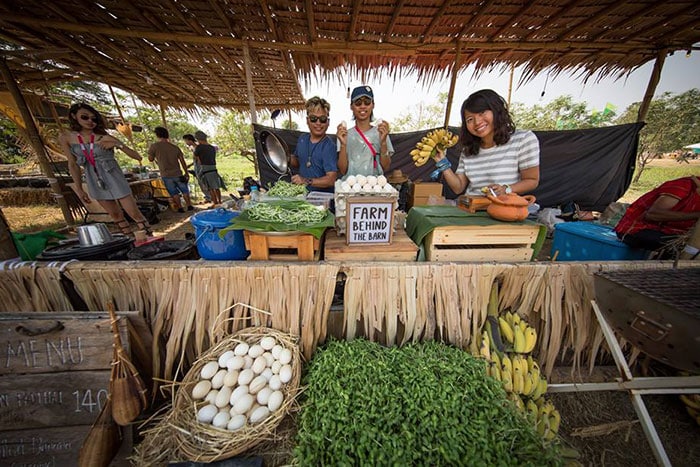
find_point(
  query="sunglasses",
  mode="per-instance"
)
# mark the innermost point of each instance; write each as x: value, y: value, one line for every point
x: 87, y: 117
x: 314, y: 119
x: 362, y: 101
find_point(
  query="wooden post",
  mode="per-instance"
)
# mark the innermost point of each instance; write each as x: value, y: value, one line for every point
x: 35, y: 140
x: 651, y: 87
x: 162, y: 115
x: 510, y: 83
x: 251, y: 100
x: 453, y: 82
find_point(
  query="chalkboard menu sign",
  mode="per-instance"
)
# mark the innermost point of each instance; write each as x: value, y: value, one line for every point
x: 369, y: 220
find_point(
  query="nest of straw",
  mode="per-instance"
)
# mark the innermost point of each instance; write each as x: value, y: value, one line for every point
x: 178, y: 436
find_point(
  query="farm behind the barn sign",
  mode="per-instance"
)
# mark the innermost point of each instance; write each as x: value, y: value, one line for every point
x: 369, y: 220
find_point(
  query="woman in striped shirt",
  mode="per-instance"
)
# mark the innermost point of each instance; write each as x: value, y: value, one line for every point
x: 494, y: 154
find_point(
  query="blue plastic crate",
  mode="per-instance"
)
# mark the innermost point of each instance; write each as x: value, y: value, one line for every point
x: 586, y: 241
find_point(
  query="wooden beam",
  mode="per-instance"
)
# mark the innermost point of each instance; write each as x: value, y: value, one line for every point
x: 354, y: 19
x: 563, y: 9
x: 433, y: 22
x: 651, y: 86
x: 453, y: 81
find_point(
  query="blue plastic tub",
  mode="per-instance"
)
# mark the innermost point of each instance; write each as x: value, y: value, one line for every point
x: 586, y: 241
x: 207, y: 225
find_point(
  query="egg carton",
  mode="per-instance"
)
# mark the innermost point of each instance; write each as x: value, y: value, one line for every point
x: 343, y: 191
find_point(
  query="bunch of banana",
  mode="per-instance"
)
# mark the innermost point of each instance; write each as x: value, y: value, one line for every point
x: 517, y: 332
x: 692, y: 405
x: 545, y: 416
x: 426, y: 147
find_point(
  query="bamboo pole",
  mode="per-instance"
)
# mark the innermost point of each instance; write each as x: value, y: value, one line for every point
x: 35, y: 140
x: 116, y: 104
x: 510, y: 83
x: 453, y: 83
x: 251, y: 101
x: 651, y: 87
x: 162, y: 115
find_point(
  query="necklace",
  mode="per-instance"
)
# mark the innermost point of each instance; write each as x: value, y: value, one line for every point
x: 312, y: 149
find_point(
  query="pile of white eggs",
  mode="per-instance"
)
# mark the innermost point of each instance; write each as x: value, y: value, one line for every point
x: 243, y: 387
x: 365, y: 184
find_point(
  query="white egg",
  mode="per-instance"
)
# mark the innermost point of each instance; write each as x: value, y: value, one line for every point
x: 243, y: 404
x: 366, y: 187
x: 263, y: 396
x: 221, y: 420
x: 388, y: 188
x: 207, y: 413
x: 245, y: 377
x: 371, y: 180
x: 259, y: 365
x: 209, y: 370
x: 286, y: 373
x: 235, y: 363
x: 224, y: 358
x: 351, y: 180
x: 211, y: 397
x: 377, y: 188
x: 223, y: 398
x: 237, y: 422
x: 260, y: 414
x: 356, y: 188
x: 231, y: 378
x: 237, y: 394
x: 275, y: 382
x: 252, y: 409
x: 381, y: 180
x: 201, y: 389
x: 276, y: 367
x: 285, y: 356
x: 276, y: 350
x: 255, y: 351
x: 269, y: 359
x: 267, y: 342
x: 340, y: 205
x: 257, y: 384
x: 275, y: 401
x: 248, y: 361
x: 267, y: 373
x: 218, y: 380
x: 241, y: 349
x: 361, y: 179
x: 344, y: 187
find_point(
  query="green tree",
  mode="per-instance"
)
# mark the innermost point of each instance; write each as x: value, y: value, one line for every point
x: 560, y: 114
x: 421, y: 116
x: 234, y: 134
x: 673, y: 121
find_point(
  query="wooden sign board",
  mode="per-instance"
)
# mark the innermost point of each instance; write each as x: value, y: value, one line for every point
x: 54, y: 380
x: 369, y: 220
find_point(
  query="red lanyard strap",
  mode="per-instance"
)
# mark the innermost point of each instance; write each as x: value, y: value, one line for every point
x: 90, y: 156
x: 371, y: 148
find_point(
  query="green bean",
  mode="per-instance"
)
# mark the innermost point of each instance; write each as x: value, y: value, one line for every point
x: 291, y: 212
x: 284, y: 189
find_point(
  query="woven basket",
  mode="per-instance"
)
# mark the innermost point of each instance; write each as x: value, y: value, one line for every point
x: 205, y: 443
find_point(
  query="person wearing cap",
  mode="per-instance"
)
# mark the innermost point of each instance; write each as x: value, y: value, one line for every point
x: 495, y: 155
x: 205, y: 155
x: 364, y: 149
x: 315, y: 154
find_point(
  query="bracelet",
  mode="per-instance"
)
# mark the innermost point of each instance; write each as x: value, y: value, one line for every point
x: 441, y: 165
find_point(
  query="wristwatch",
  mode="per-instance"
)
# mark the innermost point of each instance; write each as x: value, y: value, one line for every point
x: 508, y: 189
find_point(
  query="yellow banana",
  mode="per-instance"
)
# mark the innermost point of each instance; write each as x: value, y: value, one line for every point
x: 506, y: 329
x: 518, y: 381
x: 691, y: 400
x: 517, y: 401
x: 495, y: 371
x: 496, y: 359
x: 528, y: 385
x: 532, y: 409
x: 485, y: 349
x: 518, y: 340
x: 516, y: 319
x: 554, y: 420
x: 507, y: 373
x: 530, y: 339
x: 508, y: 316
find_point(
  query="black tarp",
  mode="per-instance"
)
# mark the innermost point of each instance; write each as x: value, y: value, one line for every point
x: 591, y: 167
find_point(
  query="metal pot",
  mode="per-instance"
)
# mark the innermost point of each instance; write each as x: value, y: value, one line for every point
x: 275, y: 151
x: 93, y: 234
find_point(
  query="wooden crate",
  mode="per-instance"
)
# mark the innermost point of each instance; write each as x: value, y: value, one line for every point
x: 53, y: 382
x: 282, y: 246
x: 402, y: 248
x: 481, y: 243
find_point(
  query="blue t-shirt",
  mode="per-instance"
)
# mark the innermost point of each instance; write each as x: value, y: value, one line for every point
x: 322, y: 156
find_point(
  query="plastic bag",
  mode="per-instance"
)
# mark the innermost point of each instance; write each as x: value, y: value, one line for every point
x: 31, y: 244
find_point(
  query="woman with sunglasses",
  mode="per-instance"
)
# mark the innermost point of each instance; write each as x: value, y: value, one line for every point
x: 364, y: 149
x: 495, y: 155
x: 88, y: 145
x: 315, y: 155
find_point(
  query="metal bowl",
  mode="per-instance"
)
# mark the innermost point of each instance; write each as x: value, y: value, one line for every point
x: 93, y: 234
x: 275, y: 151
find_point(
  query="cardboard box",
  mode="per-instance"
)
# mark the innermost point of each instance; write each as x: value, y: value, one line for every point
x: 423, y: 200
x: 586, y: 241
x: 425, y: 189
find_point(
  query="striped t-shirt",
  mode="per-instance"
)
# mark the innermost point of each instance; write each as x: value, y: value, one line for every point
x: 500, y: 164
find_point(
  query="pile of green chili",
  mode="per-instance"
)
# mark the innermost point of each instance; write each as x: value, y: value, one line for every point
x: 421, y: 404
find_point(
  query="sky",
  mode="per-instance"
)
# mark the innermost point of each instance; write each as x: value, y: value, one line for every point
x: 394, y: 97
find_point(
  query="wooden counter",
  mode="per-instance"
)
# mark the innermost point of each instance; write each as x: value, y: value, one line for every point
x: 402, y: 248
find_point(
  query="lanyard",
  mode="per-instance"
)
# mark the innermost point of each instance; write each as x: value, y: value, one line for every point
x: 371, y: 148
x: 90, y: 156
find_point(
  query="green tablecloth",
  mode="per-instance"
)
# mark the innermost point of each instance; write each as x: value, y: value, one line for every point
x: 421, y: 220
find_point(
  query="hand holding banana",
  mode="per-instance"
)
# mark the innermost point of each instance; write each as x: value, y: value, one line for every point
x: 430, y: 144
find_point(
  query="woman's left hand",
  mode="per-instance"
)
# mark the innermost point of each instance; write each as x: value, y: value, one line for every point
x: 383, y: 129
x: 498, y: 189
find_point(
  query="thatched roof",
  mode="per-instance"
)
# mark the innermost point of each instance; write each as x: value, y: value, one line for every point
x: 189, y: 53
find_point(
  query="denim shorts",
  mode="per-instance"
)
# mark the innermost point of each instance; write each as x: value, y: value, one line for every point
x: 175, y: 186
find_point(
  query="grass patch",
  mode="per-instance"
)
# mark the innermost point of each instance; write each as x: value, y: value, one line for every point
x: 656, y: 174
